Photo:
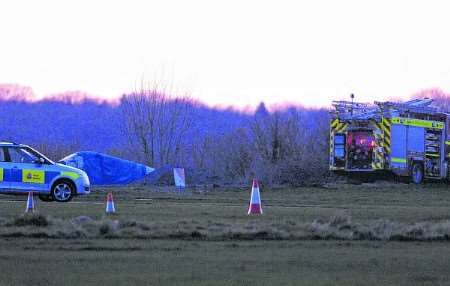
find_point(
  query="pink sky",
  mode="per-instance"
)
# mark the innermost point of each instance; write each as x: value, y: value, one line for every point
x: 228, y: 52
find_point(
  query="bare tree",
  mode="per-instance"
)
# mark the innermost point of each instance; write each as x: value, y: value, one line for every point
x: 157, y: 124
x: 291, y: 145
x: 441, y: 98
x: 270, y: 131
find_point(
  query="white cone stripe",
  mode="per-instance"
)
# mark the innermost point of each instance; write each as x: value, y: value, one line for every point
x: 30, y: 203
x: 110, y: 204
x: 110, y: 207
x: 255, y: 201
x: 255, y: 197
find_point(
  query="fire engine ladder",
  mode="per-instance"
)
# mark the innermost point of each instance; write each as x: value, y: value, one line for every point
x: 414, y: 106
x: 347, y: 110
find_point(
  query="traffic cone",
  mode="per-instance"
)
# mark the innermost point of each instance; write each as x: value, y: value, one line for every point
x: 110, y: 209
x: 30, y: 203
x: 255, y: 200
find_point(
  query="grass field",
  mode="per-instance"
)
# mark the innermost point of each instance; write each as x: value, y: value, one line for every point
x: 370, y: 234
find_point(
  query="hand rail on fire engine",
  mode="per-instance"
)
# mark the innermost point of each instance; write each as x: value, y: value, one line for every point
x: 416, y: 105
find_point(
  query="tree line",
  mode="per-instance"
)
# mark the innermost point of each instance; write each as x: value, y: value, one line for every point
x: 221, y: 146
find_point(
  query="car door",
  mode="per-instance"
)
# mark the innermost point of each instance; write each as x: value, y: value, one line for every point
x: 26, y: 173
x: 5, y: 185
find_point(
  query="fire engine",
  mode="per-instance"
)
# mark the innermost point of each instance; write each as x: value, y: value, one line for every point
x: 409, y: 139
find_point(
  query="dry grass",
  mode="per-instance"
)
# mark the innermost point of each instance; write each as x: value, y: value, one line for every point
x: 336, y: 228
x: 340, y: 235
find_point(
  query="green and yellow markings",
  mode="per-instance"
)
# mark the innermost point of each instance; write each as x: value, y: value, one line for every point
x: 33, y: 176
x: 71, y: 175
x: 432, y: 155
x: 334, y: 123
x: 1, y: 174
x: 382, y: 136
x: 386, y: 127
x: 418, y: 122
x: 398, y: 160
x: 331, y: 144
x: 378, y: 163
x: 337, y: 127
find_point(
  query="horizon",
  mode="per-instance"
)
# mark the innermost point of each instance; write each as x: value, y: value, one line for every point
x: 14, y: 91
x: 228, y: 54
x: 10, y: 92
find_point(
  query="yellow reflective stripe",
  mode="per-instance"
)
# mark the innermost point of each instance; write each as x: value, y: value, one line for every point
x: 331, y: 143
x: 1, y: 174
x: 33, y: 176
x: 71, y: 175
x: 337, y: 126
x: 386, y: 130
x: 377, y: 166
x: 418, y: 122
x: 377, y: 125
x: 432, y: 155
x: 341, y: 127
x: 398, y: 160
x: 386, y: 126
x: 334, y: 123
x: 379, y: 160
x: 447, y: 142
x: 378, y: 134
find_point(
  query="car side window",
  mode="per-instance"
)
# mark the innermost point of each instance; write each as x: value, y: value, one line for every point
x: 2, y: 155
x: 20, y: 155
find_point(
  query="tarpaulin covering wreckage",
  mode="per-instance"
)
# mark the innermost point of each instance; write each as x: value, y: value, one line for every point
x: 104, y: 169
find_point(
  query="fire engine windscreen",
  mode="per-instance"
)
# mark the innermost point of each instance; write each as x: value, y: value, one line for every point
x: 360, y: 146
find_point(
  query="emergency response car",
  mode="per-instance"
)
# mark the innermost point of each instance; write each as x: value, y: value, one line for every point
x: 23, y: 169
x: 407, y: 139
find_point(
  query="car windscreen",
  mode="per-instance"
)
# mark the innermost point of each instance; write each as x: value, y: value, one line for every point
x: 26, y: 154
x: 40, y: 155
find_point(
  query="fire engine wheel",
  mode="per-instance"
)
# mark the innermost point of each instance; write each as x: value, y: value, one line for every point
x: 417, y: 173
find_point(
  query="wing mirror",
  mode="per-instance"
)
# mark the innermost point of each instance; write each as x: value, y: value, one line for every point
x: 39, y: 161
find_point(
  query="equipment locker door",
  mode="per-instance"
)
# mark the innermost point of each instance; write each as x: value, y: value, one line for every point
x: 398, y: 146
x: 416, y: 142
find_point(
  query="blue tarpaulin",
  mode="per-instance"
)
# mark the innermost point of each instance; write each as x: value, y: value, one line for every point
x: 104, y: 169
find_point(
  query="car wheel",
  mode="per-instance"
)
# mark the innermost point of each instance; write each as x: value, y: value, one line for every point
x: 417, y: 173
x: 46, y: 198
x: 63, y: 191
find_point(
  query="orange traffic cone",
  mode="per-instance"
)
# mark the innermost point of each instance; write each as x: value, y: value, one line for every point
x: 30, y: 203
x: 110, y: 204
x: 255, y: 200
